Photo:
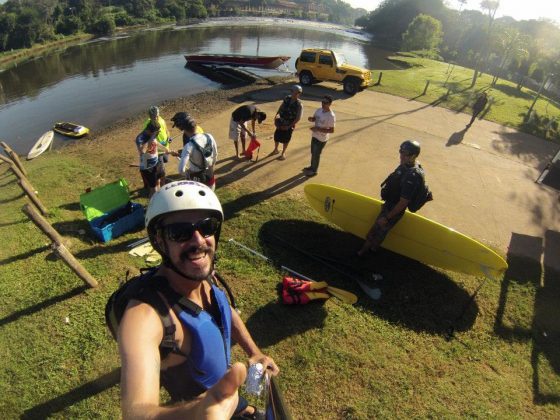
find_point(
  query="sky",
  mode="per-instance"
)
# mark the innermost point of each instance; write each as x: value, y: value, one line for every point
x: 517, y: 9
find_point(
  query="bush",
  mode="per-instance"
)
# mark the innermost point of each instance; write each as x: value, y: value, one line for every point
x: 542, y: 126
x: 123, y: 19
x: 69, y: 25
x: 105, y: 25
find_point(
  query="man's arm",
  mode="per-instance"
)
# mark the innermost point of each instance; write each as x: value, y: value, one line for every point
x: 185, y: 156
x: 253, y: 121
x: 242, y: 337
x: 140, y: 333
x: 399, y: 207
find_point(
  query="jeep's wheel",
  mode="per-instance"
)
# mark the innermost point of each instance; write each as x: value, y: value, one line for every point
x: 306, y: 78
x: 351, y: 87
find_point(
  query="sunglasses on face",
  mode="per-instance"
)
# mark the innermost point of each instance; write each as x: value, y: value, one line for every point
x: 184, y: 231
x: 403, y: 152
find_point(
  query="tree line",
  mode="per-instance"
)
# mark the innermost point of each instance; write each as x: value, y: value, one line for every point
x: 27, y: 22
x: 503, y: 46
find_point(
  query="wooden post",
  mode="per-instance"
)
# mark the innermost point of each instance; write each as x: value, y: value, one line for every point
x: 74, y: 264
x: 379, y: 78
x: 30, y: 191
x: 42, y: 224
x: 13, y: 156
x: 13, y: 167
x: 58, y: 246
x: 426, y: 87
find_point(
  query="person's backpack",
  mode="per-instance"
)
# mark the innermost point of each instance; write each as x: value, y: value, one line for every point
x: 144, y: 289
x: 422, y: 194
x: 206, y: 151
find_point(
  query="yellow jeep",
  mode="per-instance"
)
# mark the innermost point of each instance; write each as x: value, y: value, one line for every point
x: 317, y: 65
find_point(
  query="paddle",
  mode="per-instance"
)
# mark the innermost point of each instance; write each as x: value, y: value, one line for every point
x: 372, y: 292
x: 343, y: 295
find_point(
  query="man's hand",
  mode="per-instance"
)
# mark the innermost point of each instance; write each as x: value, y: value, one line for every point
x: 266, y: 361
x: 220, y: 401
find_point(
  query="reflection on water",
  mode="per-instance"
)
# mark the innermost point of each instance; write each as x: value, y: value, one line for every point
x: 103, y: 81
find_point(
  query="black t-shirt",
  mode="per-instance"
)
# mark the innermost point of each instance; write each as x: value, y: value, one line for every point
x: 243, y: 113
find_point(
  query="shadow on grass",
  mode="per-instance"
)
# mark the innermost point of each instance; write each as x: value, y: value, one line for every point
x: 25, y: 255
x: 5, y: 184
x: 525, y: 271
x: 42, y: 305
x: 14, y: 198
x: 512, y: 91
x: 274, y: 322
x: 412, y: 294
x: 74, y: 206
x: 74, y: 396
x: 234, y: 208
x: 72, y: 228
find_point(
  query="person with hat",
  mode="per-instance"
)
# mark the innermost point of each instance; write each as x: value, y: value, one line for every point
x: 288, y: 115
x: 178, y: 118
x: 184, y: 221
x: 238, y: 125
x: 199, y: 154
x: 397, y: 191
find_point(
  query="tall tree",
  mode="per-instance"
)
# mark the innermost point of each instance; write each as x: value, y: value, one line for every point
x: 391, y: 19
x: 490, y: 6
x: 423, y: 33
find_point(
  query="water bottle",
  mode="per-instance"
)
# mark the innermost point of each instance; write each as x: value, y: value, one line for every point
x: 254, y: 381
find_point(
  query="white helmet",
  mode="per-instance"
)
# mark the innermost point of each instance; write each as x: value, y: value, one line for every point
x: 180, y: 196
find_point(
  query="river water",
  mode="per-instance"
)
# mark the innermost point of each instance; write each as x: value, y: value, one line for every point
x: 97, y: 83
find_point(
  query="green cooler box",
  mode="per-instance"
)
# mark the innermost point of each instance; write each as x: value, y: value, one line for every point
x: 110, y: 212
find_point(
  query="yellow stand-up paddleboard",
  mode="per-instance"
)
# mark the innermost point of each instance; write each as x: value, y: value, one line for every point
x: 413, y: 236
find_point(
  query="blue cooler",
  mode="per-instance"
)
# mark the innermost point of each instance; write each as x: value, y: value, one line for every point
x: 110, y: 212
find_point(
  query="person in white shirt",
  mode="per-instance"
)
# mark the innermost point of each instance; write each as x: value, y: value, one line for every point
x: 324, y: 119
x: 199, y: 155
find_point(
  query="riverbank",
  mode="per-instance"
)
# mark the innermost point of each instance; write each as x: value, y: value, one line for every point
x: 12, y: 58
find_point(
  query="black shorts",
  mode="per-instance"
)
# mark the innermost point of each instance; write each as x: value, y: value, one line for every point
x: 377, y: 233
x: 283, y: 136
x: 152, y: 175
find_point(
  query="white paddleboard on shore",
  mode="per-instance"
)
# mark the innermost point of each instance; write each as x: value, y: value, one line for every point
x: 41, y: 145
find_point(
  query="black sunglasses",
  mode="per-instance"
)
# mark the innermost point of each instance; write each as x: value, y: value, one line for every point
x: 184, y: 231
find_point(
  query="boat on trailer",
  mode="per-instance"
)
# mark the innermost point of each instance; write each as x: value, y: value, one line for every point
x: 237, y: 60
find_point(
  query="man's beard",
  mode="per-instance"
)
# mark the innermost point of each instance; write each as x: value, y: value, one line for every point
x: 194, y: 273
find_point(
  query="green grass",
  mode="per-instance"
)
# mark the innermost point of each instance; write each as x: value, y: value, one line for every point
x: 378, y: 359
x: 450, y: 88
